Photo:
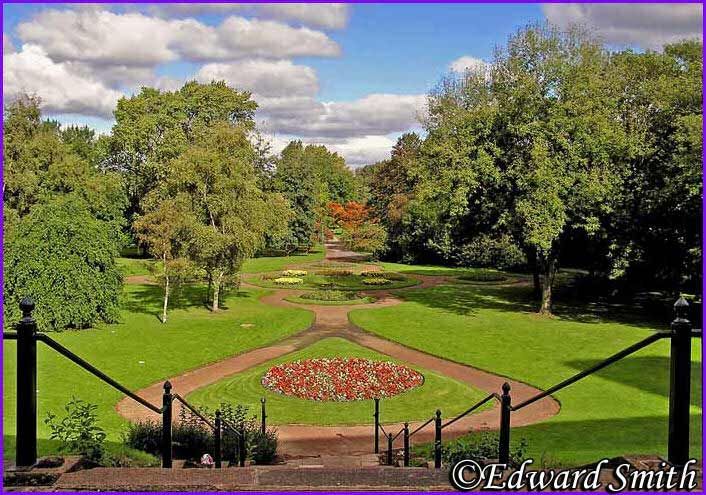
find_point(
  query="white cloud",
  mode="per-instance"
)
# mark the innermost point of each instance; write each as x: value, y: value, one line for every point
x: 324, y: 15
x: 7, y: 46
x: 467, y: 62
x: 101, y: 37
x: 646, y: 25
x: 375, y: 114
x: 61, y: 89
x: 267, y: 78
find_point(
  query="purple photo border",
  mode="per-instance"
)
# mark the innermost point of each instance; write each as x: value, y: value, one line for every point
x: 703, y: 424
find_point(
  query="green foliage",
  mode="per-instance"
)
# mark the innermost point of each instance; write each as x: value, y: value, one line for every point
x: 483, y: 276
x: 375, y: 281
x: 481, y: 447
x: 145, y: 436
x: 264, y: 446
x: 63, y: 258
x: 78, y: 431
x: 368, y: 237
x: 485, y: 251
x: 331, y: 295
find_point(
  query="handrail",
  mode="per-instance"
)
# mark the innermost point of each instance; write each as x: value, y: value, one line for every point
x: 230, y: 426
x: 193, y: 410
x: 582, y: 374
x: 398, y: 434
x: 422, y: 426
x: 471, y: 409
x: 95, y: 371
x: 383, y: 429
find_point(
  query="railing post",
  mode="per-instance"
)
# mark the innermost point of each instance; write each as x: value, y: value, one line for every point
x: 680, y: 385
x: 504, y: 440
x: 167, y: 425
x: 437, y: 440
x: 26, y: 449
x: 241, y: 444
x: 405, y: 439
x: 217, y: 440
x: 263, y: 413
x: 389, y: 449
x: 376, y: 415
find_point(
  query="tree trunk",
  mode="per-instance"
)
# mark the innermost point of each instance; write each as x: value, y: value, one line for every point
x: 216, y: 291
x: 166, y: 299
x: 548, y: 271
x: 534, y: 263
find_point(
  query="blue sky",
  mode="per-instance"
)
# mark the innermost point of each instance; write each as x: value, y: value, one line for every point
x: 351, y: 77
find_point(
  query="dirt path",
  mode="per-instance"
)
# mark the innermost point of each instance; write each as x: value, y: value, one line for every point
x: 332, y: 321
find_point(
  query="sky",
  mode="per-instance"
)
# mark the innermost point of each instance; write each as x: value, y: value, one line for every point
x: 350, y: 76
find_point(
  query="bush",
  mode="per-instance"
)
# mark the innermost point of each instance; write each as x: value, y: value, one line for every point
x: 376, y: 281
x: 480, y: 447
x: 335, y: 273
x: 331, y: 295
x: 263, y: 448
x: 385, y: 275
x: 483, y: 276
x: 63, y: 258
x: 289, y: 281
x: 294, y: 273
x: 78, y: 431
x: 145, y: 436
x: 497, y: 252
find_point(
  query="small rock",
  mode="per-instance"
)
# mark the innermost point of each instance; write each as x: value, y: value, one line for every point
x: 247, y: 325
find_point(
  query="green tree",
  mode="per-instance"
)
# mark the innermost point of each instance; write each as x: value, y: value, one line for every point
x: 167, y: 230
x: 232, y: 214
x: 64, y: 258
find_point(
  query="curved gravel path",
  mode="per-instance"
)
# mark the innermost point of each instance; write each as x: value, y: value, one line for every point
x: 332, y: 321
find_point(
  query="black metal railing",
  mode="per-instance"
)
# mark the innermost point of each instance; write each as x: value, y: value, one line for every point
x: 27, y: 337
x: 680, y: 334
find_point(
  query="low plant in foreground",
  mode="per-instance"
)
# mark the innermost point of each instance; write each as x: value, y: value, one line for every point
x: 78, y: 431
x: 263, y: 448
x: 376, y: 281
x: 331, y: 295
x: 289, y: 281
x: 294, y: 273
x: 481, y: 447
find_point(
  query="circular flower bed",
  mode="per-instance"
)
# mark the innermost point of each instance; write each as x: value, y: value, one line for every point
x: 341, y: 379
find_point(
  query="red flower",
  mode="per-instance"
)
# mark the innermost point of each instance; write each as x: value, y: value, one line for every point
x: 341, y: 379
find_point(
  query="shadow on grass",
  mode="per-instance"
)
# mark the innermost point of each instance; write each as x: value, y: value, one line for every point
x: 467, y: 300
x: 148, y: 299
x: 648, y: 374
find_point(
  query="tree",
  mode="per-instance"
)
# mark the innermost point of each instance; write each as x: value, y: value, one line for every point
x: 154, y: 127
x: 216, y: 178
x: 167, y: 229
x: 64, y: 258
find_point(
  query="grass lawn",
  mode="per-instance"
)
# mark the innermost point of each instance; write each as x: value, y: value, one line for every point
x: 314, y: 281
x: 620, y: 410
x: 417, y: 403
x: 134, y: 266
x: 320, y: 302
x: 273, y: 263
x: 140, y: 350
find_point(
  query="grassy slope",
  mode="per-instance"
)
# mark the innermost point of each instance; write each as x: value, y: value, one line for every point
x: 622, y: 409
x: 140, y: 350
x: 418, y: 403
x: 273, y: 263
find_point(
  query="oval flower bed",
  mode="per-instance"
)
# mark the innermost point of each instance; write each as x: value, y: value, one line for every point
x: 341, y: 379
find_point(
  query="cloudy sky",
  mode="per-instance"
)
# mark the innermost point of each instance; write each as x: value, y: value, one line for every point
x: 352, y: 77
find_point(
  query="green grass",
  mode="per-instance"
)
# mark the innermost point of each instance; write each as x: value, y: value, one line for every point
x: 417, y: 403
x: 320, y: 302
x: 273, y: 263
x: 140, y: 350
x: 620, y: 410
x: 132, y: 266
x: 347, y: 282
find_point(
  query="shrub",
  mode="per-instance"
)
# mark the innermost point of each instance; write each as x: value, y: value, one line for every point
x: 270, y: 276
x: 331, y: 295
x: 289, y: 281
x: 385, y: 275
x: 375, y: 281
x: 335, y: 273
x: 263, y: 448
x: 294, y: 273
x: 480, y: 447
x: 145, y: 436
x: 483, y: 276
x: 498, y: 252
x: 78, y: 431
